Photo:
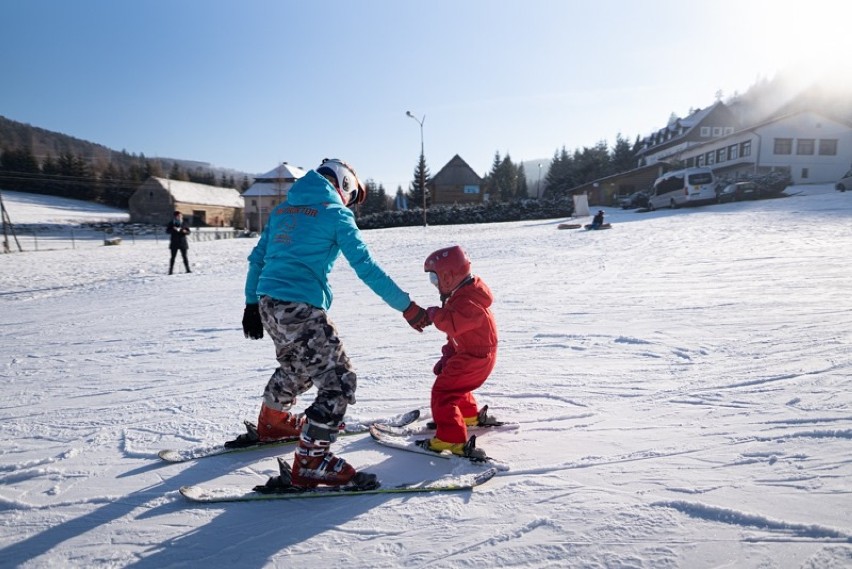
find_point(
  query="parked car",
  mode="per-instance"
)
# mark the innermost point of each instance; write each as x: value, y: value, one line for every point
x: 738, y: 191
x: 634, y: 200
x: 845, y: 182
x: 726, y: 193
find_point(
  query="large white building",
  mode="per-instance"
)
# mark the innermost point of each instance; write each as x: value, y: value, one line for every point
x: 810, y: 146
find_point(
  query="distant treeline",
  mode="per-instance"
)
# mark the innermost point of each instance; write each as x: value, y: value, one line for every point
x: 44, y: 162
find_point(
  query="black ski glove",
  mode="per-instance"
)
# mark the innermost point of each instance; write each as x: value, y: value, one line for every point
x: 252, y: 326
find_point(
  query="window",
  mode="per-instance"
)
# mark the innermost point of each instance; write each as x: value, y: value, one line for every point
x: 733, y: 152
x: 721, y: 155
x: 745, y: 148
x: 705, y: 131
x: 783, y: 146
x: 805, y: 146
x: 690, y: 162
x: 670, y: 184
x: 717, y: 131
x: 729, y: 130
x: 700, y: 179
x: 804, y: 173
x: 471, y: 189
x: 699, y: 160
x: 828, y: 147
x: 710, y: 158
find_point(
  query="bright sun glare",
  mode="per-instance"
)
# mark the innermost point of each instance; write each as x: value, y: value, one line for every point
x: 809, y: 41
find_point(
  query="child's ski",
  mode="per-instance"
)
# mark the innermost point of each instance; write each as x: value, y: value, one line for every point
x: 211, y: 495
x: 422, y: 429
x: 353, y: 428
x: 410, y: 445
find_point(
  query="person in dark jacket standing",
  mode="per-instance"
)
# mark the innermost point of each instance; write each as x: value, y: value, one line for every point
x: 178, y: 229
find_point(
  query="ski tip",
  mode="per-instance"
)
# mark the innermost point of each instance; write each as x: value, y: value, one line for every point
x: 375, y: 432
x: 170, y: 455
x: 191, y: 492
x: 485, y: 476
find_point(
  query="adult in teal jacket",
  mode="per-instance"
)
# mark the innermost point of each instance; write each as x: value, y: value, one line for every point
x: 287, y: 294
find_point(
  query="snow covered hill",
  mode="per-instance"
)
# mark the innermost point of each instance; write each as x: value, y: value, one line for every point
x: 681, y: 383
x: 24, y: 208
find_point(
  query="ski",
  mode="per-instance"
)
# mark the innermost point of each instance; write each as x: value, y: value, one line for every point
x: 429, y: 428
x: 213, y: 495
x: 352, y: 428
x: 410, y: 445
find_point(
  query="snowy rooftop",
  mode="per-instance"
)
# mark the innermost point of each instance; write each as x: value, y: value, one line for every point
x: 283, y: 172
x: 201, y: 194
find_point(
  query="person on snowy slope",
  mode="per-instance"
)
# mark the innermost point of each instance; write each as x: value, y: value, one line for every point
x: 287, y: 293
x: 469, y: 355
x: 178, y: 229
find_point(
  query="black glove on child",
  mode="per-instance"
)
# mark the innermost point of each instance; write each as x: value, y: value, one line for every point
x: 252, y: 326
x: 416, y: 317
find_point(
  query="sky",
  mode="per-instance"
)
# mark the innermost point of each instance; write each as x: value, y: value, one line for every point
x: 248, y: 85
x: 680, y: 387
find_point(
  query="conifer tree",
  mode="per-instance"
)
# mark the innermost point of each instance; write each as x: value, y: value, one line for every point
x: 522, y: 190
x: 623, y: 157
x: 421, y: 180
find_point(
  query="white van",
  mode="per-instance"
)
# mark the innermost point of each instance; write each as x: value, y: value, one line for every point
x: 683, y: 187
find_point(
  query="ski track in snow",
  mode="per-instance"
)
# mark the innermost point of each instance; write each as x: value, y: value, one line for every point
x: 682, y: 401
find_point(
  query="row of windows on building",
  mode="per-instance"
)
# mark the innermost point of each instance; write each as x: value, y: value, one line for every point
x: 783, y: 146
x: 715, y: 131
x: 806, y: 146
x: 728, y: 153
x: 705, y: 132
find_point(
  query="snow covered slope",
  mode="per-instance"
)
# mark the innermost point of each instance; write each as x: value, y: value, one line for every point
x: 681, y: 383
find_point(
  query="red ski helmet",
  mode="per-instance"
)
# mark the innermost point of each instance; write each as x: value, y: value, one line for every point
x: 345, y: 180
x: 451, y: 265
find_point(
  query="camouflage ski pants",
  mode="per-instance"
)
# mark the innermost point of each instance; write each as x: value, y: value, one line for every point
x: 309, y: 352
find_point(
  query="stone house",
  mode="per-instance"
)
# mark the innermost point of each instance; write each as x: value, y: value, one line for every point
x: 156, y: 200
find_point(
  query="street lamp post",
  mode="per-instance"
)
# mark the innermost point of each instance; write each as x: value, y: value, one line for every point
x: 423, y: 160
x: 538, y: 187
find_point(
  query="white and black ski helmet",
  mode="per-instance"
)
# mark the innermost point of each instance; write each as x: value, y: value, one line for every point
x: 345, y: 180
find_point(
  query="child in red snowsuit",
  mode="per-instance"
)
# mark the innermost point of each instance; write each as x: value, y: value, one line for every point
x: 469, y: 355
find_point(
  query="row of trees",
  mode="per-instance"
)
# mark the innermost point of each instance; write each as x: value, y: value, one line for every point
x: 568, y: 170
x: 86, y: 171
x: 108, y: 181
x: 507, y: 180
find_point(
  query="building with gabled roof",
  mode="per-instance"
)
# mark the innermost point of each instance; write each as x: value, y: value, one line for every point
x: 267, y: 191
x: 456, y: 183
x: 808, y: 145
x: 680, y: 134
x: 156, y: 200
